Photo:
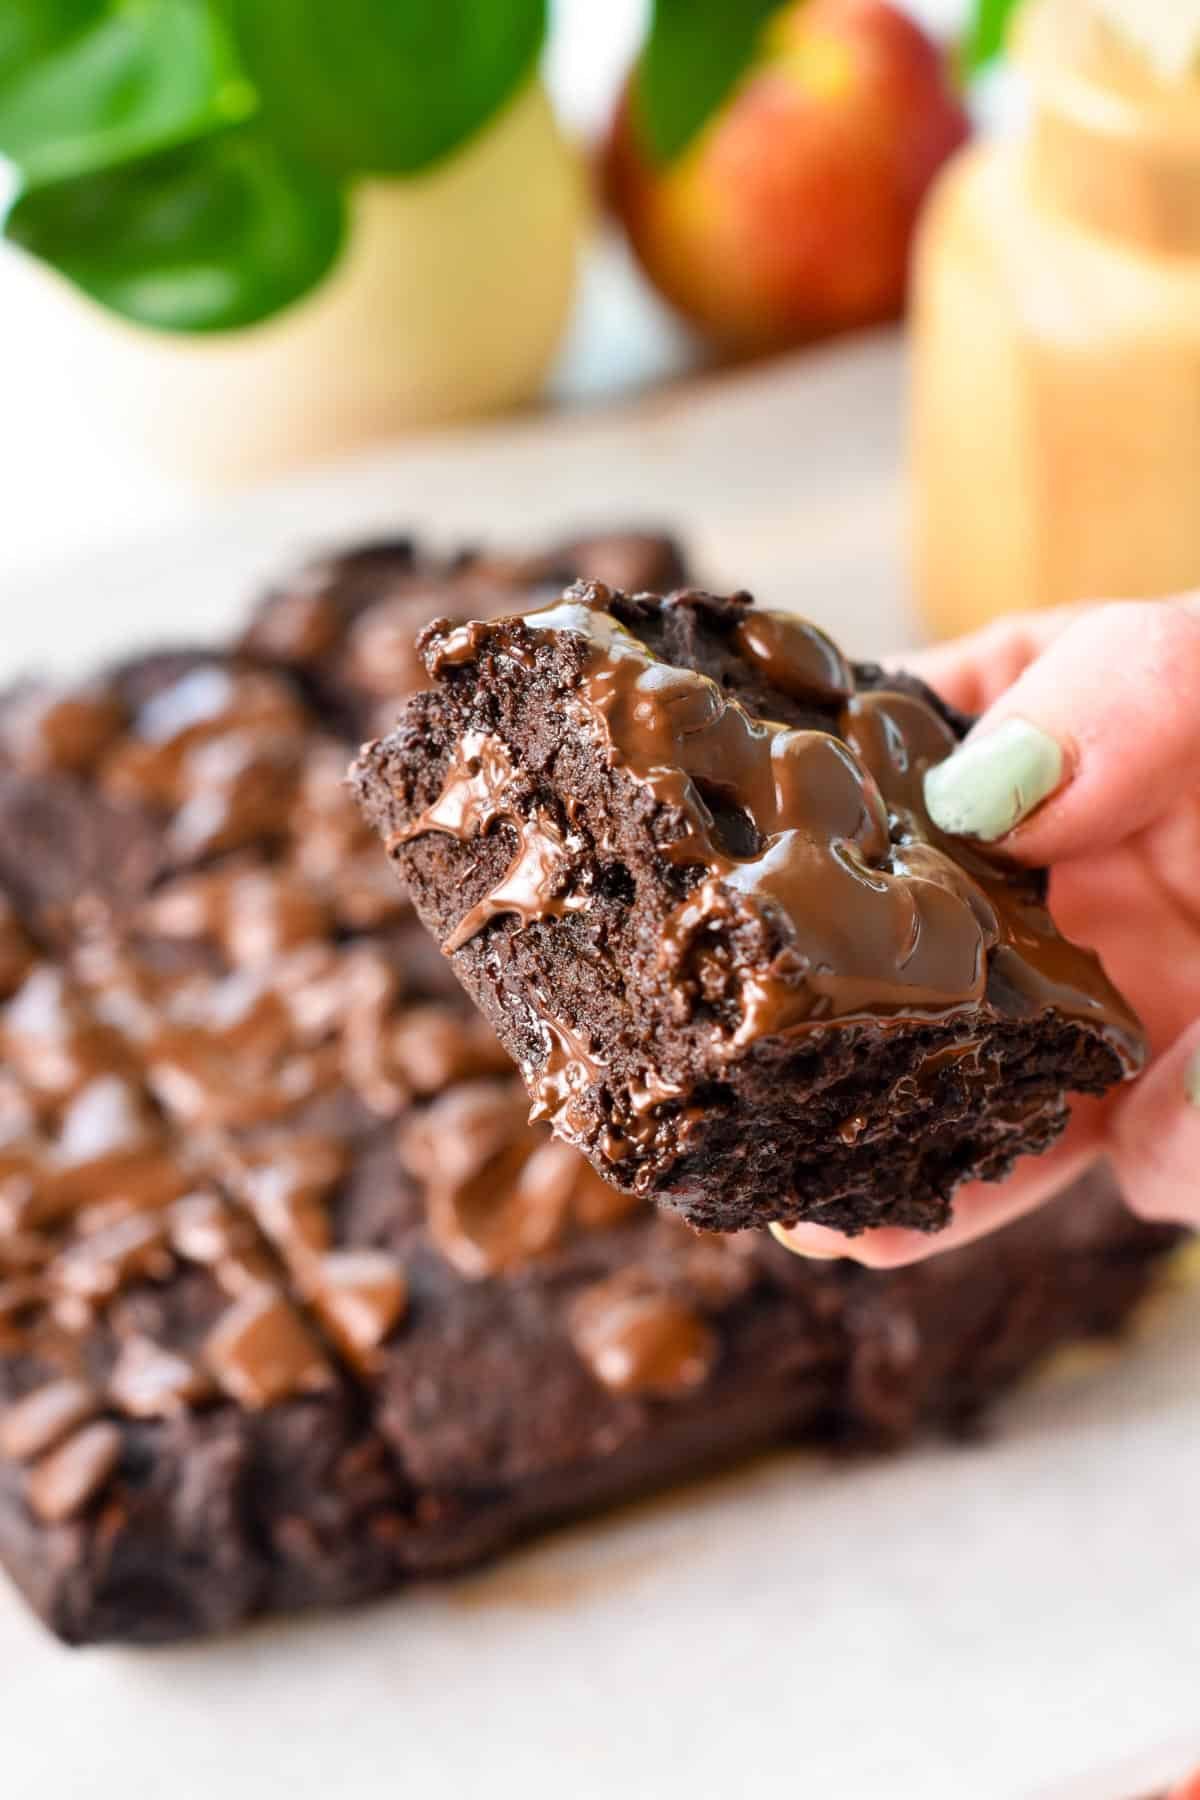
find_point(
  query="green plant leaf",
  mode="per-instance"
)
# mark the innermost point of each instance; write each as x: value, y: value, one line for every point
x: 138, y: 77
x: 987, y: 33
x: 30, y: 29
x: 208, y: 236
x: 385, y: 86
x: 693, y: 57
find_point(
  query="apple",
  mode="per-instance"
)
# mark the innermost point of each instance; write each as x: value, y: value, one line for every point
x: 790, y: 214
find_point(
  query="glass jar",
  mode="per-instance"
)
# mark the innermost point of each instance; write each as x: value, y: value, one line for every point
x: 1056, y: 380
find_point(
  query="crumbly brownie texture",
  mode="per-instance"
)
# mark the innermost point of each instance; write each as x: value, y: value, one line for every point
x: 347, y: 624
x: 294, y: 1304
x: 677, y: 850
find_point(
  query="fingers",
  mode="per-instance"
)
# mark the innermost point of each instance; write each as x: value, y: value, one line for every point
x: 1097, y: 737
x: 1139, y: 905
x: 979, y: 1208
x: 972, y: 672
x: 1155, y: 1136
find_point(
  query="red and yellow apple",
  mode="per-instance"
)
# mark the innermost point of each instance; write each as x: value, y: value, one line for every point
x: 790, y: 214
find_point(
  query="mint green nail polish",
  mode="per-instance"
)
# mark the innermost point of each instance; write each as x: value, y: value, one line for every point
x: 993, y: 782
x: 1191, y: 1081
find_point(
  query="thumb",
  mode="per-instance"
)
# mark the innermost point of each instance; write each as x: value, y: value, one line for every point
x: 1097, y: 737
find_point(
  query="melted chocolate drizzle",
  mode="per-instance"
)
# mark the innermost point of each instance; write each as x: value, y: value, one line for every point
x: 156, y: 1071
x: 867, y: 910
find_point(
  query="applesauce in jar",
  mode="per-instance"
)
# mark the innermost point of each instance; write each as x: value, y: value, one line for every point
x: 1056, y: 379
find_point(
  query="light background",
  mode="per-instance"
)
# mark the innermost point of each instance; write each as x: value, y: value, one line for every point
x: 68, y: 487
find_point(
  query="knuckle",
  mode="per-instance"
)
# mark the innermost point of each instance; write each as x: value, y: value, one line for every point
x: 1153, y: 646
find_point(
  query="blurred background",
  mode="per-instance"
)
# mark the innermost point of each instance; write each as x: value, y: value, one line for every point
x: 245, y: 238
x: 484, y: 276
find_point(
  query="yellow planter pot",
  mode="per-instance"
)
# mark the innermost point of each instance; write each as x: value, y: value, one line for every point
x: 449, y: 300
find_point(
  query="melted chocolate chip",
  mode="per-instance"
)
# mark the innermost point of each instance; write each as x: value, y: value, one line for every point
x: 638, y: 1339
x: 66, y: 730
x: 149, y: 1381
x: 360, y: 1297
x: 794, y: 656
x: 497, y: 1194
x: 68, y: 1478
x: 45, y: 1417
x: 261, y: 1352
x: 16, y: 952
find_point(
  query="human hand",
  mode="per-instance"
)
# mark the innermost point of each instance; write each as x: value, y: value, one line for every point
x: 1086, y: 758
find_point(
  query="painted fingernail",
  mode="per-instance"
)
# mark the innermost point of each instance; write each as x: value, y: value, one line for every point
x: 1191, y: 1084
x: 993, y: 782
x: 783, y: 1235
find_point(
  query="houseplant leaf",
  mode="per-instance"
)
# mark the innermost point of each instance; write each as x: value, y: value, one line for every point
x: 136, y: 78
x: 206, y: 236
x: 693, y: 57
x: 32, y: 29
x: 385, y: 86
x: 987, y: 33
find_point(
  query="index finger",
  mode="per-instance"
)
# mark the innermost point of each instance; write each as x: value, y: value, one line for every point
x: 972, y: 672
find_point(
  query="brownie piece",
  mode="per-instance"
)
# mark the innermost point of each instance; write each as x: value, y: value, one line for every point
x: 347, y: 623
x: 677, y: 851
x: 178, y: 1447
x: 295, y: 1305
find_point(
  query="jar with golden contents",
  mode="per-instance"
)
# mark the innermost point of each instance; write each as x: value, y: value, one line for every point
x: 1056, y: 382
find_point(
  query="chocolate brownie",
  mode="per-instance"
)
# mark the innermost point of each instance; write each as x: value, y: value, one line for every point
x: 295, y: 1306
x: 678, y: 852
x: 347, y: 623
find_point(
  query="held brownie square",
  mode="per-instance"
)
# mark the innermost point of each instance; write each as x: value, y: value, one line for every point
x: 677, y: 851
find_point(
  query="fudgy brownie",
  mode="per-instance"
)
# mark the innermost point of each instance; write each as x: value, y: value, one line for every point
x: 678, y: 852
x: 294, y: 1304
x: 348, y: 623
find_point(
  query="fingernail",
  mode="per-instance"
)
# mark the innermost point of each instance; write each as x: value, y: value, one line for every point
x: 782, y: 1235
x: 1191, y: 1084
x: 993, y: 782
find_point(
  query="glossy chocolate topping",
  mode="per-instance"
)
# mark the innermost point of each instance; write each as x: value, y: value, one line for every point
x: 638, y: 1338
x: 497, y: 1194
x: 360, y: 1296
x: 45, y: 1417
x: 819, y: 837
x: 68, y: 1477
x: 262, y: 1352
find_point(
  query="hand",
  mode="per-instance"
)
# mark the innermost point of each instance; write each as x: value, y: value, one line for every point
x: 1087, y: 759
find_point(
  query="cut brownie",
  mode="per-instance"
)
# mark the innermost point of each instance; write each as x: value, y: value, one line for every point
x: 347, y: 623
x: 678, y: 852
x: 563, y: 1348
x: 294, y: 1304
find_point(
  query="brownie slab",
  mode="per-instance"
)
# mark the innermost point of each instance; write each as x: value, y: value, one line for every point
x: 295, y: 1305
x: 563, y: 1346
x: 677, y: 851
x: 347, y: 623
